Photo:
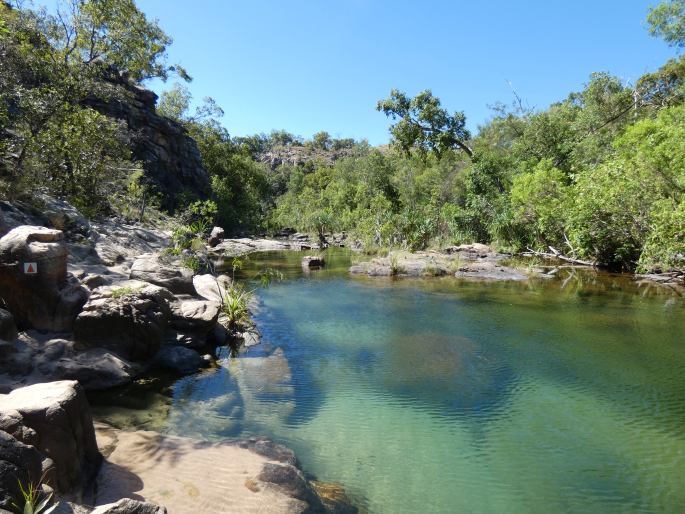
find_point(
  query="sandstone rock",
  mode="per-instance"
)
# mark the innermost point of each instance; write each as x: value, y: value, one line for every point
x: 179, y: 359
x: 171, y: 159
x: 18, y: 462
x: 216, y: 236
x: 55, y: 418
x: 95, y: 369
x: 291, y: 481
x: 46, y: 300
x: 8, y: 330
x: 210, y: 287
x: 93, y: 281
x: 151, y: 269
x: 62, y: 215
x: 312, y: 261
x: 129, y: 506
x: 129, y: 318
x: 195, y: 315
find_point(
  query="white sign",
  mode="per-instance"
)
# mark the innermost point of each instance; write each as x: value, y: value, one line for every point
x: 30, y: 268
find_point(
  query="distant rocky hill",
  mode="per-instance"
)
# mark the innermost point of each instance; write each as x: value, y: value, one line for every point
x: 300, y: 155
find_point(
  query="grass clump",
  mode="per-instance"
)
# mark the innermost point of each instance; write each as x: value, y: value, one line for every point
x: 120, y: 292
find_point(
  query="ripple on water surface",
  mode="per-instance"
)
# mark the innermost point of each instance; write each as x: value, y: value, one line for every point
x: 450, y: 396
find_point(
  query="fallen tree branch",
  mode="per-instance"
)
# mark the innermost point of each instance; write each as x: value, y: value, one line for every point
x: 556, y: 254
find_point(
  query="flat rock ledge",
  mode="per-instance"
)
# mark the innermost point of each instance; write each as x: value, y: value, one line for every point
x: 474, y: 261
x: 250, y: 475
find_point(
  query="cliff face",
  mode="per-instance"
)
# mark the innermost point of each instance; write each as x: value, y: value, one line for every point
x: 171, y: 159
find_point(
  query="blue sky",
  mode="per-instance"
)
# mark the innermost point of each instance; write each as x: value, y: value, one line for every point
x: 310, y: 65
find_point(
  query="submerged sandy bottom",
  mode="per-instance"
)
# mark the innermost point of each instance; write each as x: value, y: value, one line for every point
x: 186, y: 476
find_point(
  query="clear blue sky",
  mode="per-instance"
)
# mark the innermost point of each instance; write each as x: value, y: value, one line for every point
x: 310, y: 65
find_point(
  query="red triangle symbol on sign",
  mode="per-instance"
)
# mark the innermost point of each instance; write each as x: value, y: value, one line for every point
x: 30, y: 269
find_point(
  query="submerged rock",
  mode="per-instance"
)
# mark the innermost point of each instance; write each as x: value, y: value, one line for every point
x: 312, y: 261
x: 256, y: 475
x: 179, y: 359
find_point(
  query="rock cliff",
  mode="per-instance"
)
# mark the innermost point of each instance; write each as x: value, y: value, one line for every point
x: 171, y: 159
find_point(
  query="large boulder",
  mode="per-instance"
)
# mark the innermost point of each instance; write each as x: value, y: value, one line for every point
x: 150, y: 268
x: 55, y: 418
x: 196, y: 316
x: 216, y: 236
x: 18, y: 463
x: 129, y: 318
x: 34, y: 282
x: 95, y: 369
x: 8, y: 329
x: 212, y: 288
x: 129, y: 506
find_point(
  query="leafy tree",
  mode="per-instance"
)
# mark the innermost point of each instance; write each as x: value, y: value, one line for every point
x: 539, y: 199
x: 667, y: 21
x: 112, y: 31
x: 322, y: 140
x: 424, y: 125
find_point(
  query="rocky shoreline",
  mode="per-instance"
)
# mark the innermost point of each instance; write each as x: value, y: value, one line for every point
x: 473, y: 261
x: 92, y: 306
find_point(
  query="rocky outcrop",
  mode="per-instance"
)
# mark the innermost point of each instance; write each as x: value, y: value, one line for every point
x: 33, y: 279
x: 129, y: 318
x: 171, y: 159
x: 474, y: 261
x: 150, y: 268
x: 18, y: 463
x: 55, y: 419
x: 8, y: 329
x: 195, y: 316
x: 212, y: 288
x: 129, y: 506
x: 216, y: 236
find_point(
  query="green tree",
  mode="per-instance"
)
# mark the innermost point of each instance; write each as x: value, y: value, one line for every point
x: 115, y: 32
x: 667, y: 21
x: 423, y: 125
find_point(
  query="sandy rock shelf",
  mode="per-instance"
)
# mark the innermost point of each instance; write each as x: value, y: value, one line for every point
x: 190, y: 477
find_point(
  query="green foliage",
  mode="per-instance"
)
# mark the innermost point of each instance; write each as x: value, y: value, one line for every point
x: 667, y: 21
x: 120, y: 292
x: 34, y: 500
x: 111, y: 31
x: 236, y: 304
x: 664, y: 248
x: 423, y: 125
x: 49, y: 66
x: 539, y: 201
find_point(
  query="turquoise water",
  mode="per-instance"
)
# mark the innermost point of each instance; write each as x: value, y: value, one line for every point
x: 565, y: 395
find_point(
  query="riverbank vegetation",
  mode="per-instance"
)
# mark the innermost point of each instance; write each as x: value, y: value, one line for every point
x: 597, y: 176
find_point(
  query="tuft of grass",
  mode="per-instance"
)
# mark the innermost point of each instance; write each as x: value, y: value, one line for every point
x: 122, y: 291
x: 395, y: 267
x: 236, y: 305
x: 34, y: 500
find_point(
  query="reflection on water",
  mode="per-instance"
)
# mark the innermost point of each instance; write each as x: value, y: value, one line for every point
x: 563, y: 395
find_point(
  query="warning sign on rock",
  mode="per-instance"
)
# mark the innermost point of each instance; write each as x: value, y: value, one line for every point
x: 30, y: 268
